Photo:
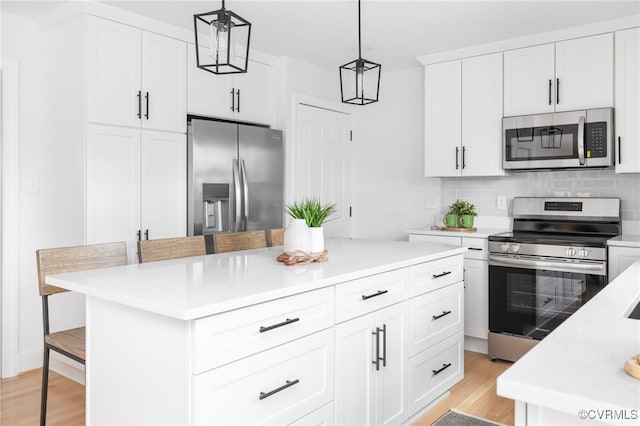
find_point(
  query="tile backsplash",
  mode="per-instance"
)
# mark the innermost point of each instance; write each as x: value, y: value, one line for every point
x: 483, y: 191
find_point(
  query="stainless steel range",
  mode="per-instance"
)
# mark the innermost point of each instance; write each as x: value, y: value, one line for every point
x: 553, y: 262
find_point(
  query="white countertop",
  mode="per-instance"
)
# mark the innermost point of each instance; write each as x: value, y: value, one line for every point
x: 580, y: 365
x: 200, y: 286
x: 625, y: 240
x: 480, y: 233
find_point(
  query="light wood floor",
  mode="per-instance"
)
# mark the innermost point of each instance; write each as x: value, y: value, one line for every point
x: 475, y: 395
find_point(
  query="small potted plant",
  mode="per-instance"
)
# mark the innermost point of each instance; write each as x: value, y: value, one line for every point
x: 465, y: 212
x: 308, y: 216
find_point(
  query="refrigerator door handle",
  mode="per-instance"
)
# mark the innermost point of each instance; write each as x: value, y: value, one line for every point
x: 245, y: 189
x: 237, y: 190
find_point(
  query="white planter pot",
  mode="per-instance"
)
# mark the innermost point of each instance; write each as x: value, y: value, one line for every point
x: 317, y: 239
x: 297, y: 237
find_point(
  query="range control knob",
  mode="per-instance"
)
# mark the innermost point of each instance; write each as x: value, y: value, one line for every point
x: 571, y: 252
x: 583, y: 253
x: 504, y: 247
x: 515, y: 248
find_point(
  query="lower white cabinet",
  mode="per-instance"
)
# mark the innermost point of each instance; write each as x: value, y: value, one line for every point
x: 619, y: 259
x: 371, y: 381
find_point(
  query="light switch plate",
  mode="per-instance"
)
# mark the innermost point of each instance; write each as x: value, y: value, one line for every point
x: 501, y: 202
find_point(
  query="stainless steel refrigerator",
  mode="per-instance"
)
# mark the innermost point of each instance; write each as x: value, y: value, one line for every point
x: 235, y: 177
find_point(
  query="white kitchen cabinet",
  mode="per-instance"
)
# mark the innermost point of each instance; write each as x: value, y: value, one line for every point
x: 463, y: 117
x: 245, y: 97
x: 619, y: 259
x: 627, y: 100
x: 135, y: 78
x: 371, y: 381
x: 563, y: 76
x: 136, y: 184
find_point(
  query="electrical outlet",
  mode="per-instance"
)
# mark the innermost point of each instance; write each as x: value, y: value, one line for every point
x: 501, y: 202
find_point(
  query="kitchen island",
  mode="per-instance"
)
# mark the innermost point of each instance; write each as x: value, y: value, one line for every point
x: 241, y: 338
x: 575, y: 376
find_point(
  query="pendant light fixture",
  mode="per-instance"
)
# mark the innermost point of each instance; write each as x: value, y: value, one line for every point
x: 226, y: 50
x: 360, y: 79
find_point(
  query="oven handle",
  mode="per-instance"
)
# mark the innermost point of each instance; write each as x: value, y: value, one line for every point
x: 592, y: 268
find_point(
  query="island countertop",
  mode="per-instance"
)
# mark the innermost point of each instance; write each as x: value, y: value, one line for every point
x: 580, y: 365
x: 199, y: 286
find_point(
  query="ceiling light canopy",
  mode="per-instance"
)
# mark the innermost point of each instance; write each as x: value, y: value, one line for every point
x: 360, y: 78
x: 225, y: 47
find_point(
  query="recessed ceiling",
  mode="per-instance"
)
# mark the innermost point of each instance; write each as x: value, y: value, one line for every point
x: 394, y: 33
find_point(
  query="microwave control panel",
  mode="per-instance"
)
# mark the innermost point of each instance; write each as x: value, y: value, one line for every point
x: 596, y: 140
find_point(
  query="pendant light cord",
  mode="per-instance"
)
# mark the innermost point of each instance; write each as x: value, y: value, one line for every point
x: 359, y: 33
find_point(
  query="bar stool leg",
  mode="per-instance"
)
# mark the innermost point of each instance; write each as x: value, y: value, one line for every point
x: 45, y: 386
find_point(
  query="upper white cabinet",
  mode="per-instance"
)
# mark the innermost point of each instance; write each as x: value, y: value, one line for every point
x: 564, y: 76
x: 627, y: 101
x: 135, y: 78
x: 463, y: 117
x: 246, y: 97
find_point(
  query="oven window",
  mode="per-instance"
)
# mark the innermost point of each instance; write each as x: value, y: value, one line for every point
x: 541, y: 143
x: 531, y: 303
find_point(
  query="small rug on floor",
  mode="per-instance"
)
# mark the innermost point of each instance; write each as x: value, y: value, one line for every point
x: 456, y: 418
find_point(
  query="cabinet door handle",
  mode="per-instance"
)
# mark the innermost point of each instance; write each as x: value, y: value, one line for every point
x: 139, y: 104
x: 443, y: 314
x: 146, y: 97
x: 441, y: 275
x: 384, y: 344
x: 474, y: 248
x: 286, y: 322
x: 238, y: 94
x: 376, y: 358
x: 557, y: 90
x: 287, y: 384
x: 619, y: 151
x: 139, y: 235
x: 146, y: 234
x: 444, y: 367
x: 379, y: 293
x: 550, y: 87
x: 233, y: 100
x: 457, y: 151
x: 464, y: 151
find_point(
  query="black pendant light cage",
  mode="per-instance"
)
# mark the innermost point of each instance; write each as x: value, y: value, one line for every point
x: 360, y: 78
x: 226, y: 49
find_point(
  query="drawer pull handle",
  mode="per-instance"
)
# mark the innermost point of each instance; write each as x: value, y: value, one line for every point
x: 287, y: 322
x: 444, y: 367
x: 474, y: 248
x: 379, y: 293
x: 443, y: 314
x: 441, y: 275
x: 288, y: 384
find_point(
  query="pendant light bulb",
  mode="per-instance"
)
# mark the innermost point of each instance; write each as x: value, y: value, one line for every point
x: 360, y: 79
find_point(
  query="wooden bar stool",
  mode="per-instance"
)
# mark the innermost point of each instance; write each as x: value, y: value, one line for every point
x: 70, y: 343
x: 275, y: 237
x: 235, y: 241
x: 171, y: 248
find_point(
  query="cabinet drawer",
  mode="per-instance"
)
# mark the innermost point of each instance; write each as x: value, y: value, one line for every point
x: 369, y: 294
x: 434, y: 371
x: 220, y: 339
x: 477, y: 248
x: 434, y: 316
x: 436, y: 274
x: 293, y: 380
x: 324, y: 416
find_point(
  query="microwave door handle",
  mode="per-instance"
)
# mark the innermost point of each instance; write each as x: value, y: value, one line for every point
x: 581, y: 140
x: 237, y: 195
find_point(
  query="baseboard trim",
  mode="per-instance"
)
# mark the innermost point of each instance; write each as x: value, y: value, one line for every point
x: 432, y: 404
x: 59, y: 363
x: 475, y: 344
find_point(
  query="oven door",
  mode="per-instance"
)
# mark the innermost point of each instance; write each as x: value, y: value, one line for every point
x: 530, y: 298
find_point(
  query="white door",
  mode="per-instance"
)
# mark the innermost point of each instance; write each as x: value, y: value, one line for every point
x: 355, y: 380
x: 584, y: 73
x: 628, y: 101
x: 113, y: 73
x: 476, y: 298
x: 164, y: 185
x: 323, y: 162
x: 392, y: 387
x: 164, y: 83
x: 254, y: 102
x: 529, y: 80
x: 482, y: 115
x: 208, y: 94
x: 113, y: 184
x: 443, y: 108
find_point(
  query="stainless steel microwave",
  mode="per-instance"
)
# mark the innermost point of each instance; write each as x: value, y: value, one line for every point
x: 571, y: 139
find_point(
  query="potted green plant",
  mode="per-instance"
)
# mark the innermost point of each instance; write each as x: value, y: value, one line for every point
x: 465, y: 212
x: 307, y: 216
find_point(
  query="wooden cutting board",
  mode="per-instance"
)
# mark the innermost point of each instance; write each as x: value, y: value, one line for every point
x: 444, y: 228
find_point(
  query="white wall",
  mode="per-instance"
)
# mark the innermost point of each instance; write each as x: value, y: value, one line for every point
x: 391, y: 191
